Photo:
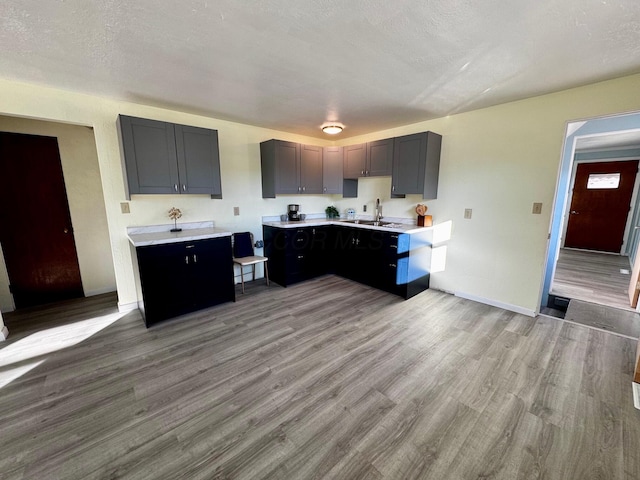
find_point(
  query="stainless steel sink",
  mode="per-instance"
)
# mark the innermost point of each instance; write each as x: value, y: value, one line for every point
x: 360, y: 222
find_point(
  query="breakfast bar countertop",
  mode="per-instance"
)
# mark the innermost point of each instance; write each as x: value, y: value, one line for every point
x: 160, y: 234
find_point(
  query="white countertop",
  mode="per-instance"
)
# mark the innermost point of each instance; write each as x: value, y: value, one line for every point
x: 397, y: 227
x: 160, y: 234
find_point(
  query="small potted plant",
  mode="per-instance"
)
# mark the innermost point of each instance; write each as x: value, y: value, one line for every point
x: 332, y: 212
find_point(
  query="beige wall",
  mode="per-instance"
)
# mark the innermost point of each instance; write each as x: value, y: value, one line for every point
x: 497, y: 161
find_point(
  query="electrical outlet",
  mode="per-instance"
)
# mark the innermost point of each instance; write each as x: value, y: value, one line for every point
x: 364, y: 208
x: 537, y: 208
x: 236, y: 211
x: 467, y: 213
x: 124, y: 207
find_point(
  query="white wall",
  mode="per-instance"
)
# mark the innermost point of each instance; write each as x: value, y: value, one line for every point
x: 86, y: 203
x: 497, y: 161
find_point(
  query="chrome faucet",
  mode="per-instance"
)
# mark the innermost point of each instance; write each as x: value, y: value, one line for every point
x: 378, y: 215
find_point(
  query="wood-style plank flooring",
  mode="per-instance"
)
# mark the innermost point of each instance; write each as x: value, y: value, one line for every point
x: 326, y: 379
x: 592, y: 277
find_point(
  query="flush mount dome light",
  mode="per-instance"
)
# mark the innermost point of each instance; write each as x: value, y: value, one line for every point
x: 332, y: 128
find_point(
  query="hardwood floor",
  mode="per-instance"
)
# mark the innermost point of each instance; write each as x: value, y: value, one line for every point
x: 592, y: 277
x: 326, y: 379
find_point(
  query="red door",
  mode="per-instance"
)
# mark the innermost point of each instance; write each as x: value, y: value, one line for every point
x: 35, y: 225
x: 600, y: 205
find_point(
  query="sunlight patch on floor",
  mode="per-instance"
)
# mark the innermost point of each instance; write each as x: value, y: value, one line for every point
x: 46, y: 342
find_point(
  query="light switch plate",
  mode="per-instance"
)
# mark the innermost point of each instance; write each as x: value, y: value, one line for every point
x: 537, y: 208
x: 467, y: 213
x: 236, y: 211
x: 124, y: 207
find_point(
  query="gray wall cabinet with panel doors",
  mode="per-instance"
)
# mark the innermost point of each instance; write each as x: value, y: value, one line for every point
x: 372, y: 159
x: 333, y: 180
x: 166, y: 158
x: 416, y: 164
x: 290, y: 168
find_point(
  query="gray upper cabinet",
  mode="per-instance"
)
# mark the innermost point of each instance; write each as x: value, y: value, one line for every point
x: 332, y: 170
x: 355, y: 160
x: 416, y: 164
x: 373, y: 159
x: 198, y: 160
x: 166, y: 158
x: 290, y: 168
x: 310, y: 169
x: 379, y: 158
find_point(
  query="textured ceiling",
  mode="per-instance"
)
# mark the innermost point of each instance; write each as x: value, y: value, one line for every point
x: 292, y: 65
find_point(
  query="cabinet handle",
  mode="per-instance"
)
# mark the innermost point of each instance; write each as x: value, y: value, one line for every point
x: 393, y: 188
x: 300, y: 257
x: 324, y: 189
x: 299, y: 239
x: 304, y: 189
x: 362, y: 172
x: 175, y: 187
x: 392, y: 265
x: 186, y: 259
x: 393, y: 246
x: 394, y: 236
x: 366, y: 172
x: 184, y: 187
x: 358, y: 241
x: 353, y: 241
x: 195, y: 258
x: 313, y: 231
x: 298, y: 189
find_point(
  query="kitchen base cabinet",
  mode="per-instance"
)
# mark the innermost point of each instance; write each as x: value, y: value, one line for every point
x: 398, y: 263
x: 178, y: 278
x: 296, y: 254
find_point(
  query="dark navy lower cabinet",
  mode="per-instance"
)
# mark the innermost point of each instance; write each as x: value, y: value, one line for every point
x: 178, y: 278
x: 398, y: 263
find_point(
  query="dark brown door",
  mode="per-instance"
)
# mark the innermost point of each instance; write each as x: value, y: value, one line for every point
x: 35, y: 225
x: 600, y: 205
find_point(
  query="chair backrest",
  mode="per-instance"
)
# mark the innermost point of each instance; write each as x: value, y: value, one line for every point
x: 242, y: 244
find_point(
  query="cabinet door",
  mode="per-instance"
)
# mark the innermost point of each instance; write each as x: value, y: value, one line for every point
x: 416, y: 164
x: 355, y: 160
x: 198, y: 160
x: 310, y: 169
x: 332, y: 170
x: 163, y: 274
x: 287, y: 172
x: 379, y: 158
x: 150, y: 155
x: 211, y: 271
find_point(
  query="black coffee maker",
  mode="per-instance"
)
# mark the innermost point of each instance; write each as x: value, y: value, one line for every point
x: 293, y: 213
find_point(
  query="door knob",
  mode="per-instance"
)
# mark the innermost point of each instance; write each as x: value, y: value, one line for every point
x: 573, y: 212
x: 66, y: 230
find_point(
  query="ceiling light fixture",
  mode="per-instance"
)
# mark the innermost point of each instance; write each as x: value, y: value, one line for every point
x: 332, y: 128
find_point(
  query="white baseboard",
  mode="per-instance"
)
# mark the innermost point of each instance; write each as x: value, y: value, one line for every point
x: 99, y: 291
x: 494, y: 303
x: 127, y: 307
x: 4, y: 333
x: 636, y: 394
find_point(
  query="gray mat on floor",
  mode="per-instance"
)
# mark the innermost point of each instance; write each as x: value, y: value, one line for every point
x: 610, y: 319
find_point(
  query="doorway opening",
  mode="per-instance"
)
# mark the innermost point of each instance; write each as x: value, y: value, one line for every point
x: 54, y: 192
x: 593, y: 239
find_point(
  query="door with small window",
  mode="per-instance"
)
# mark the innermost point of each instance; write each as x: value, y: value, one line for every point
x: 600, y: 205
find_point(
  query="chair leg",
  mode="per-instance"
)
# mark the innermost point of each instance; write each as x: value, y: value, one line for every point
x: 242, y: 278
x: 266, y: 272
x: 254, y: 272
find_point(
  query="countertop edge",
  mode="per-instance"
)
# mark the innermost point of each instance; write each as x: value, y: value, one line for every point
x: 188, y: 235
x: 409, y: 229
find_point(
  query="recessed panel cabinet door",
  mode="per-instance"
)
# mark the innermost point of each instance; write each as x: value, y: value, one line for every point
x: 198, y: 160
x: 355, y: 160
x: 379, y: 158
x: 150, y: 153
x: 287, y: 167
x: 310, y: 169
x: 332, y: 170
